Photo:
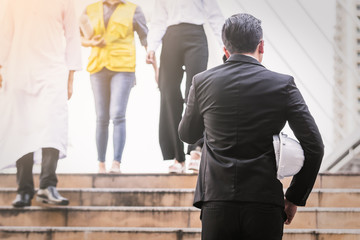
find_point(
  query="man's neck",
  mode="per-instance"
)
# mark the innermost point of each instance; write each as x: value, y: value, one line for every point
x: 250, y: 55
x: 253, y: 55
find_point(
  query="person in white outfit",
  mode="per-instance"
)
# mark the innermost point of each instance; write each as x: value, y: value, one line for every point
x: 40, y: 50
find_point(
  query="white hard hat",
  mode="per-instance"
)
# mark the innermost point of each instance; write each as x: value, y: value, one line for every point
x: 289, y: 155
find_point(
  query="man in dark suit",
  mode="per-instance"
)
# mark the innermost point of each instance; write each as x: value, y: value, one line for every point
x: 240, y: 105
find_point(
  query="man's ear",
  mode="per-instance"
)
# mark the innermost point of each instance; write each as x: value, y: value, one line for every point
x: 227, y: 54
x: 261, y: 47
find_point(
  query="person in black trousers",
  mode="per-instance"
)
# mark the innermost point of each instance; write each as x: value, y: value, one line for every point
x: 48, y: 180
x: 183, y: 45
x: 240, y: 105
x: 179, y: 26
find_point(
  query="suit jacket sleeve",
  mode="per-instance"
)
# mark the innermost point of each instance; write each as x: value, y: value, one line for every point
x: 307, y: 132
x: 191, y: 127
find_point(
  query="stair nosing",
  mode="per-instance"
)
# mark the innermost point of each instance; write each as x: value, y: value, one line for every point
x: 97, y: 229
x: 117, y: 190
x: 157, y: 208
x: 101, y: 208
x: 172, y: 190
x: 157, y: 229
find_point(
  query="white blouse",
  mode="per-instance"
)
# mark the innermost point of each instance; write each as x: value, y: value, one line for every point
x: 171, y: 12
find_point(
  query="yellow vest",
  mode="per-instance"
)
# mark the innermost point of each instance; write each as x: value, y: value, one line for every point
x: 119, y: 53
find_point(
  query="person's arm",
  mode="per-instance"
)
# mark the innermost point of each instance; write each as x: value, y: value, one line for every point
x: 6, y: 35
x: 157, y: 31
x: 151, y: 59
x: 70, y: 83
x: 141, y: 29
x: 139, y: 25
x: 215, y: 18
x: 191, y: 127
x: 87, y: 33
x: 307, y: 132
x: 156, y: 69
x: 86, y: 29
x: 73, y: 45
x: 96, y: 41
x: 158, y: 27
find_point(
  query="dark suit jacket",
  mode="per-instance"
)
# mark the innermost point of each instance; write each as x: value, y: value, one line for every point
x: 240, y: 105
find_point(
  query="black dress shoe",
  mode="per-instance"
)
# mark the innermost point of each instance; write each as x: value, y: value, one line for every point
x: 50, y: 195
x: 22, y: 200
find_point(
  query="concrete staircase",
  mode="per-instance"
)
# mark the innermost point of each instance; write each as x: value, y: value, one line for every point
x: 158, y: 206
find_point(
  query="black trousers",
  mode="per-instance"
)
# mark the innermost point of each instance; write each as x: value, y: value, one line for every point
x: 24, y: 174
x: 184, y: 48
x: 242, y: 221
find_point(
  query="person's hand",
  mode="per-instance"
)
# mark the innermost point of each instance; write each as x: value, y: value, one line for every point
x: 150, y: 57
x: 70, y: 83
x: 290, y: 210
x: 98, y: 41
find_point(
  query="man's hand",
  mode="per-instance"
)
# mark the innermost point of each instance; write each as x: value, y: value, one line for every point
x: 290, y: 210
x: 70, y: 83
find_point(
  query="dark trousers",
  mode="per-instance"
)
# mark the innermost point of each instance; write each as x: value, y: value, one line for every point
x: 24, y: 175
x: 184, y: 49
x: 242, y: 221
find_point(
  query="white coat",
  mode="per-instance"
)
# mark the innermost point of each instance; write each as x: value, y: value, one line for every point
x: 39, y: 44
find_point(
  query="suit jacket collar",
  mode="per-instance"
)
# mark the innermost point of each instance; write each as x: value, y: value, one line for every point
x: 243, y: 58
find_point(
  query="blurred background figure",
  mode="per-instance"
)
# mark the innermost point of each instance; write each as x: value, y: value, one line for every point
x: 35, y: 86
x: 178, y: 25
x: 108, y: 27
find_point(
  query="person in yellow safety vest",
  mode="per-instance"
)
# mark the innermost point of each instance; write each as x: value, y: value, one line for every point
x: 108, y: 27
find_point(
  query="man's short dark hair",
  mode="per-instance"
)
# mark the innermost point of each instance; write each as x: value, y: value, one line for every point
x: 242, y: 33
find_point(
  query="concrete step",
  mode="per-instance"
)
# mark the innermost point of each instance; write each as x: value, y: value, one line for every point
x: 334, y: 198
x: 164, y: 181
x: 96, y: 233
x: 329, y: 180
x: 176, y: 217
x: 321, y: 234
x: 115, y: 197
x: 326, y: 218
x: 112, y: 180
x: 173, y: 197
x: 76, y: 233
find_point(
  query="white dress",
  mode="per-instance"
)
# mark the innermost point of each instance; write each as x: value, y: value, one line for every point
x: 39, y: 44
